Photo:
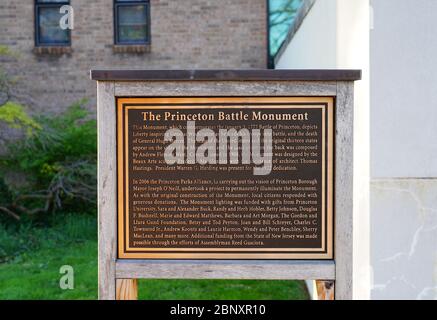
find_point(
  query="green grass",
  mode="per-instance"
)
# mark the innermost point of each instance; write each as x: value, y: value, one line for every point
x: 35, y: 275
x: 34, y: 272
x: 221, y: 290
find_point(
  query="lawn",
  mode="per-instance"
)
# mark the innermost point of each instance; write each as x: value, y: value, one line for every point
x: 71, y: 240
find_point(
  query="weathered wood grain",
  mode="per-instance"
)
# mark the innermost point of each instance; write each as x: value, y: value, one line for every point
x: 226, y: 88
x: 127, y: 289
x: 227, y: 75
x: 107, y: 192
x: 226, y: 269
x: 343, y: 238
x: 325, y: 289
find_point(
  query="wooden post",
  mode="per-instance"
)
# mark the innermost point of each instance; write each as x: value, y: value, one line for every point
x: 344, y: 191
x: 107, y: 186
x: 325, y: 289
x: 127, y: 289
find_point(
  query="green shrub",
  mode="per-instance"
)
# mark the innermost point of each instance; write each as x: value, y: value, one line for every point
x: 53, y: 168
x: 25, y: 238
x: 14, y: 116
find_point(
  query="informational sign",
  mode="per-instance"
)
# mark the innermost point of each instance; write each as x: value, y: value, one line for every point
x: 225, y: 177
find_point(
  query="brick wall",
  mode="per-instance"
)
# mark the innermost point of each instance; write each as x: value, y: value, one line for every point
x: 185, y: 34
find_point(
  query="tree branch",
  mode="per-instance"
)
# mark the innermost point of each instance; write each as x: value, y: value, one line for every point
x: 10, y: 213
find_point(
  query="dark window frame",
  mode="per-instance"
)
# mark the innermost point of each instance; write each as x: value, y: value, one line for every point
x: 118, y: 4
x: 38, y: 5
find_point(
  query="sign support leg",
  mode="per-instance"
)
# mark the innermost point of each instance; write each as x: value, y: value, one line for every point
x: 325, y: 289
x: 127, y: 289
x: 107, y: 186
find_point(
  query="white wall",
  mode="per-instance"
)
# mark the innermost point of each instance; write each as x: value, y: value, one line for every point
x: 403, y: 133
x: 313, y: 45
x: 335, y: 34
x: 404, y: 149
x: 404, y: 88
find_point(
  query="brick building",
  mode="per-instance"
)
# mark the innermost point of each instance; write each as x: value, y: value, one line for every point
x: 53, y: 65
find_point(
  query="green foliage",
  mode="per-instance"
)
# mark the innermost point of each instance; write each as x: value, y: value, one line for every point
x: 14, y: 116
x: 57, y: 164
x: 26, y: 237
x: 63, y: 139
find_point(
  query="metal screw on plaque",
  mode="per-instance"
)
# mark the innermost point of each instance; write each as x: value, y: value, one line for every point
x: 67, y: 280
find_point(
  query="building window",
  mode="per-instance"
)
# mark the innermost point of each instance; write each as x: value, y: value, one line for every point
x: 47, y: 29
x: 132, y: 22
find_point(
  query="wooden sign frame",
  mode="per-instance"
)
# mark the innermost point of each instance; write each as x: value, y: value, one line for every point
x: 116, y: 275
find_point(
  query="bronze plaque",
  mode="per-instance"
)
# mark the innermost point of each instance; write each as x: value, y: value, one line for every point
x: 225, y: 177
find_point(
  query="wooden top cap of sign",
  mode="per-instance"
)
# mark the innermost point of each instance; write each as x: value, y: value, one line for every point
x: 226, y: 75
